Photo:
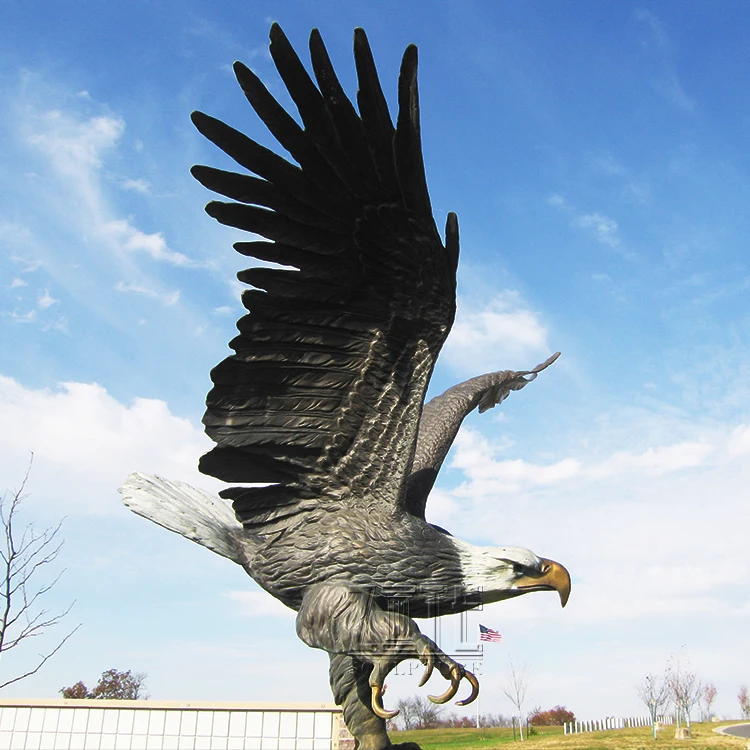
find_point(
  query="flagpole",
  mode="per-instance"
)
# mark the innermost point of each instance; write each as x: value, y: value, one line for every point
x: 478, y: 697
x: 492, y: 636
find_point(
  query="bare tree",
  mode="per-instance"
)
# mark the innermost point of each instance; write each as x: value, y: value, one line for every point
x: 26, y: 554
x: 708, y: 696
x: 744, y: 700
x: 418, y: 713
x: 515, y: 687
x: 654, y: 691
x: 685, y: 689
x: 406, y: 713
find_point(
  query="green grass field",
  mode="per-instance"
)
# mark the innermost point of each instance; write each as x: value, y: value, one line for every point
x: 552, y: 738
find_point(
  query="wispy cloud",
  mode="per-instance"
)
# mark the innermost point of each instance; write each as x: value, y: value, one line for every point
x: 260, y: 604
x: 45, y: 300
x: 20, y: 317
x: 122, y: 233
x: 631, y: 524
x: 667, y: 81
x: 487, y: 476
x: 634, y: 188
x: 604, y: 229
x: 139, y: 186
x: 76, y: 148
x: 503, y: 333
x: 166, y: 298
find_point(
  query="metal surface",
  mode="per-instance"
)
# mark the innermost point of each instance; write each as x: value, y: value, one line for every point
x: 323, y: 399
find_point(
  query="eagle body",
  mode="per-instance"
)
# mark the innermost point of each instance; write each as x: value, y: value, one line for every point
x: 318, y: 416
x: 396, y: 557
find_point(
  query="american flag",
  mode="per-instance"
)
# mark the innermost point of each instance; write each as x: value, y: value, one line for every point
x: 488, y: 634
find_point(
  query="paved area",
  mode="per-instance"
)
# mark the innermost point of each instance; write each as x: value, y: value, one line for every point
x: 738, y: 730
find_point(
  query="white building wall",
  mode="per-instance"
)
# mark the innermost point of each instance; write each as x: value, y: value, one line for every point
x: 153, y: 725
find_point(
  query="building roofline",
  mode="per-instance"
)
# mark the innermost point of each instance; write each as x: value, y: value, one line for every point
x: 145, y: 705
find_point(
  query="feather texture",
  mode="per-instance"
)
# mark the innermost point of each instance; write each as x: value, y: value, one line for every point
x: 324, y: 392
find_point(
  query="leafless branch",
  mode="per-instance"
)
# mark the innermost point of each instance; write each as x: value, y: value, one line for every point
x: 684, y: 686
x: 516, y: 687
x: 43, y: 660
x: 23, y: 555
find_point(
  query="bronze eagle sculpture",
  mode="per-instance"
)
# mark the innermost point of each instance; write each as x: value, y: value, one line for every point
x: 319, y: 415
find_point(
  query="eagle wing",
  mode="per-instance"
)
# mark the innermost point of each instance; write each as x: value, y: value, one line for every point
x: 442, y: 417
x: 323, y: 395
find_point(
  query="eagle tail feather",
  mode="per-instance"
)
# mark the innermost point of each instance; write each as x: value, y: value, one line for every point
x: 193, y: 513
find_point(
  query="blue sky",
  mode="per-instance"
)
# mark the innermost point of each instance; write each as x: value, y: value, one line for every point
x: 597, y: 157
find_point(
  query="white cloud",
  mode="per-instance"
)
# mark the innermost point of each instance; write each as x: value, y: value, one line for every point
x: 657, y: 532
x: 604, y: 229
x: 738, y: 443
x: 504, y: 333
x: 45, y: 300
x: 667, y: 81
x: 486, y: 476
x: 21, y: 317
x: 139, y: 186
x: 260, y: 604
x: 130, y: 239
x: 166, y: 298
x: 17, y: 283
x: 76, y: 148
x: 659, y: 460
x: 85, y: 442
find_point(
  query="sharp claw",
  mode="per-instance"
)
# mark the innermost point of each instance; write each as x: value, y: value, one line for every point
x: 451, y: 691
x: 376, y: 703
x: 474, y: 689
x: 428, y: 667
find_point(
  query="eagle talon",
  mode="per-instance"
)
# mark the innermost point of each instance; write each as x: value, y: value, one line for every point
x: 474, y: 689
x: 452, y: 690
x: 376, y: 703
x: 429, y: 664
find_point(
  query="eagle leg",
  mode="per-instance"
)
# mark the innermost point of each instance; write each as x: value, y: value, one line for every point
x: 364, y: 643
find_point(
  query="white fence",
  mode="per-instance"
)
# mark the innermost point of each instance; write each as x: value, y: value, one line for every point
x: 153, y: 725
x: 613, y: 722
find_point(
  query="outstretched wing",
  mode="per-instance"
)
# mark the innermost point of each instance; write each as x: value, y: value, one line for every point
x: 442, y: 417
x: 323, y: 395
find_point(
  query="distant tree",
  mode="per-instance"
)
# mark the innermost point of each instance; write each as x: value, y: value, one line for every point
x: 744, y: 700
x: 654, y: 691
x: 418, y: 713
x: 495, y: 720
x: 685, y: 688
x: 453, y: 721
x: 406, y: 714
x: 515, y: 687
x: 26, y: 554
x: 556, y: 716
x: 79, y: 690
x: 112, y: 685
x: 708, y: 697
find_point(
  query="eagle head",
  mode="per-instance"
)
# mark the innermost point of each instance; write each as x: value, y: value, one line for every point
x: 505, y: 572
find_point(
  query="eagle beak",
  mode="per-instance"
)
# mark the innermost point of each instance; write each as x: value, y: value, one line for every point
x: 552, y: 576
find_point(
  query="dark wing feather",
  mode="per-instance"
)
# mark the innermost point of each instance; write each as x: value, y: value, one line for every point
x: 323, y: 394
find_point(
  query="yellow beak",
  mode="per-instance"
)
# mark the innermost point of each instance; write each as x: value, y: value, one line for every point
x: 552, y: 576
